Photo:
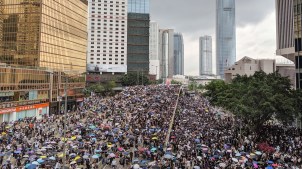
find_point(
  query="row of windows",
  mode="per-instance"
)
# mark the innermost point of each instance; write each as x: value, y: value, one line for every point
x: 110, y: 47
x: 116, y: 40
x: 105, y: 1
x: 116, y: 59
x: 110, y: 55
x: 117, y: 25
x: 104, y: 51
x: 110, y: 63
x: 111, y: 13
x: 105, y: 5
x: 105, y: 20
x: 123, y: 29
x: 122, y: 44
x: 111, y: 9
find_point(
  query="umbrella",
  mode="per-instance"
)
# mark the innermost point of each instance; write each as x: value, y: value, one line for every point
x: 235, y: 160
x: 135, y: 160
x: 76, y: 158
x: 154, y: 138
x: 72, y: 155
x: 26, y: 156
x: 31, y: 166
x: 73, y: 162
x: 223, y: 165
x: 43, y: 157
x: 73, y: 137
x: 197, y: 140
x: 136, y: 166
x: 40, y: 161
x: 258, y: 153
x: 52, y: 158
x: 269, y: 167
x: 111, y: 155
x: 270, y: 162
x: 196, y: 167
x: 17, y: 152
x: 237, y: 154
x: 120, y: 149
x: 35, y: 163
x: 153, y: 149
x: 168, y: 156
x: 95, y: 156
x: 86, y: 157
x: 126, y: 153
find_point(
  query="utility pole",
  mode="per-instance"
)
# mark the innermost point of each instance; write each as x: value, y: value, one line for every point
x: 65, y: 122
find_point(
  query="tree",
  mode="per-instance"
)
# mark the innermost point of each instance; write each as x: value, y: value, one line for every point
x: 176, y: 82
x: 132, y: 79
x: 96, y: 88
x: 109, y: 86
x: 256, y: 99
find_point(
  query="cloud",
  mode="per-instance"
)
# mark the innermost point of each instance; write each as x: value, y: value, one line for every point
x: 194, y: 18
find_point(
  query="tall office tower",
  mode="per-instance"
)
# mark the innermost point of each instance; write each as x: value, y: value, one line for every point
x: 153, y: 50
x: 225, y: 35
x: 138, y: 36
x: 178, y: 54
x: 40, y: 42
x: 166, y: 53
x: 36, y: 34
x: 107, y: 36
x: 205, y: 55
x: 289, y: 33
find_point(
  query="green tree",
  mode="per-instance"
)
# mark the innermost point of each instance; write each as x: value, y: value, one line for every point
x: 132, y: 79
x: 96, y: 88
x: 176, y: 82
x: 109, y: 86
x: 256, y: 99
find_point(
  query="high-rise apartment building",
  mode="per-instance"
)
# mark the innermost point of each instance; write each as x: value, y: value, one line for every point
x: 166, y: 53
x: 138, y: 36
x: 178, y: 54
x: 225, y: 35
x: 40, y: 42
x: 107, y: 36
x: 35, y: 34
x: 153, y: 50
x: 205, y: 55
x: 289, y: 33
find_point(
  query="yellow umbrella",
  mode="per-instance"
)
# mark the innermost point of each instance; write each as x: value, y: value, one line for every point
x: 7, y: 127
x: 3, y: 133
x: 64, y: 139
x: 252, y: 154
x: 73, y: 137
x: 60, y: 155
x: 76, y: 158
x: 43, y: 157
x: 154, y: 138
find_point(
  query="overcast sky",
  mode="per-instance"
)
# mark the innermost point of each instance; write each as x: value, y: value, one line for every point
x: 255, y: 22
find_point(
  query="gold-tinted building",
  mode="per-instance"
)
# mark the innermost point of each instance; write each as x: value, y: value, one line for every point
x: 44, y: 33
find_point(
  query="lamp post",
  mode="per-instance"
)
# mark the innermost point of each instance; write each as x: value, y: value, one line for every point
x: 65, y: 122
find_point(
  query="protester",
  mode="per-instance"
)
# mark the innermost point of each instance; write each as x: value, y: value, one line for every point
x: 129, y: 130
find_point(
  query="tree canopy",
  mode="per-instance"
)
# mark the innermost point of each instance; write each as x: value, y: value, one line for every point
x: 258, y: 98
x: 132, y: 79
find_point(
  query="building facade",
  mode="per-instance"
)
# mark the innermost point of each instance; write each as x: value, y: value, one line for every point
x: 225, y: 35
x: 248, y: 66
x: 289, y: 33
x: 35, y: 34
x: 205, y: 55
x: 138, y: 36
x: 153, y: 49
x: 107, y: 36
x: 38, y: 45
x: 139, y: 6
x: 178, y: 54
x: 166, y: 53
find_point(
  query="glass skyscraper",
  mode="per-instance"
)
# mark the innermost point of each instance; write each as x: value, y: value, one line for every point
x: 205, y: 55
x: 139, y: 6
x: 178, y: 54
x: 225, y: 35
x: 36, y: 34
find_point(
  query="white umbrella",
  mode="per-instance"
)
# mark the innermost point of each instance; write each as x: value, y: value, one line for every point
x: 223, y: 165
x: 235, y: 160
x: 136, y: 166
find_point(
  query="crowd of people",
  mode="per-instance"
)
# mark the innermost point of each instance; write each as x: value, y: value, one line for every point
x: 134, y: 130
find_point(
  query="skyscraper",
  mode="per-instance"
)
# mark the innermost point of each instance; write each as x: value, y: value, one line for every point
x: 205, y: 55
x: 138, y: 36
x: 289, y: 33
x: 107, y: 37
x: 225, y: 35
x: 36, y: 34
x: 153, y: 50
x: 178, y: 54
x: 166, y: 53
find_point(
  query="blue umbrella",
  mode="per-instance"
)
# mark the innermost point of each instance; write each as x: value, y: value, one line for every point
x: 269, y: 167
x: 270, y: 162
x: 95, y: 156
x: 126, y: 153
x: 168, y: 156
x: 237, y: 154
x: 17, y: 152
x: 31, y: 166
x: 197, y: 140
x: 153, y: 149
x: 86, y: 157
x: 40, y: 160
x: 27, y: 165
x: 97, y: 151
x: 1, y: 155
x: 115, y: 140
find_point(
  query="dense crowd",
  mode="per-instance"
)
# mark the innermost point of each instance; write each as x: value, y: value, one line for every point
x: 130, y: 130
